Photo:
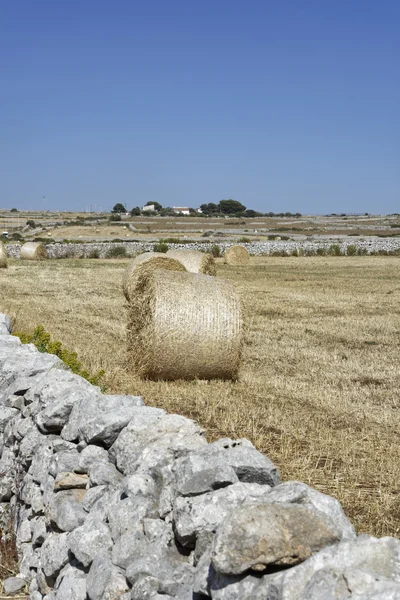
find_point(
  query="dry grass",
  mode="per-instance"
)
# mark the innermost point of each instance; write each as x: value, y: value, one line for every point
x: 318, y: 391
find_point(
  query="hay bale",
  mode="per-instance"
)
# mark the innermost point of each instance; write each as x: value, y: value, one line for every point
x: 33, y: 251
x: 195, y: 261
x: 3, y: 256
x: 237, y: 255
x: 185, y: 326
x: 142, y: 264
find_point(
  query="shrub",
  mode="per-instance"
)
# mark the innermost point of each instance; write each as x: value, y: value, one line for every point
x: 321, y: 252
x: 31, y: 223
x: 295, y: 252
x: 245, y: 240
x: 117, y: 252
x: 94, y: 254
x: 114, y: 218
x: 351, y: 250
x: 362, y: 251
x: 216, y: 251
x: 43, y: 342
x: 335, y: 250
x: 160, y: 247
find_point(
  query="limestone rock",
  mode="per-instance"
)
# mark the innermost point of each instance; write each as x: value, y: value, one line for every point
x: 102, y: 473
x: 90, y: 540
x: 66, y: 511
x: 199, y: 515
x: 13, y: 585
x: 105, y: 581
x: 54, y: 553
x: 67, y: 481
x: 281, y: 534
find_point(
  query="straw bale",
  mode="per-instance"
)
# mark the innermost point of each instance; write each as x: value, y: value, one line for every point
x: 33, y: 251
x: 144, y: 263
x: 185, y: 326
x: 195, y: 261
x: 237, y: 255
x: 3, y: 256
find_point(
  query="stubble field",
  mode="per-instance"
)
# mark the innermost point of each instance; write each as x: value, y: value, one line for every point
x: 319, y: 387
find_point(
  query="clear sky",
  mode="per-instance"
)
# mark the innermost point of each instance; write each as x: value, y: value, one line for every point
x: 282, y: 105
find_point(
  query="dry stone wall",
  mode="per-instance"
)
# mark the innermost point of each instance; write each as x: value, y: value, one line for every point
x: 113, y: 499
x: 86, y: 250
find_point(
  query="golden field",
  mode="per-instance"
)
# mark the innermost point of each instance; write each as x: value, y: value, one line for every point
x: 319, y: 387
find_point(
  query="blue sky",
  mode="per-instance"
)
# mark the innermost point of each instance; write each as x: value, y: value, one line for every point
x: 285, y: 106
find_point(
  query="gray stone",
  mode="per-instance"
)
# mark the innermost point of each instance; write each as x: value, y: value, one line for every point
x: 170, y: 574
x: 99, y: 419
x: 106, y: 503
x: 6, y: 415
x: 129, y: 547
x: 281, y: 534
x: 54, y: 553
x: 221, y: 463
x: 89, y: 455
x: 64, y: 461
x: 67, y: 481
x: 379, y: 557
x: 73, y: 585
x: 102, y: 473
x: 90, y: 540
x: 17, y: 402
x: 93, y: 495
x: 125, y: 516
x: 199, y: 515
x: 30, y: 493
x: 39, y: 531
x: 13, y: 585
x: 301, y: 493
x: 41, y: 462
x: 29, y: 560
x: 5, y: 325
x: 64, y: 395
x: 140, y: 484
x: 105, y: 581
x: 24, y: 532
x: 66, y: 511
x: 32, y: 442
x: 330, y: 584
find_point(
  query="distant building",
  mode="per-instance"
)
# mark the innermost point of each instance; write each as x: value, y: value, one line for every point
x: 149, y: 208
x: 181, y: 210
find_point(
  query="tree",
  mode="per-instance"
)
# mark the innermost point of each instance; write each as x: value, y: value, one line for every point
x: 209, y: 209
x: 31, y: 223
x: 157, y: 205
x: 230, y: 207
x: 14, y: 210
x: 119, y: 208
x: 135, y: 212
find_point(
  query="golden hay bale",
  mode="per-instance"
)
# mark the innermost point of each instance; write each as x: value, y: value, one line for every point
x: 185, y: 326
x: 237, y: 255
x: 33, y: 251
x: 3, y: 256
x: 142, y: 264
x: 195, y: 261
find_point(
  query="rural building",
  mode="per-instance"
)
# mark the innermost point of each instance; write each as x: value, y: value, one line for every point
x: 182, y: 210
x: 149, y: 208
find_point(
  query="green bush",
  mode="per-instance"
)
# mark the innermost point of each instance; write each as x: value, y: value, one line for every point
x: 117, y: 252
x: 321, y: 252
x: 362, y: 251
x: 295, y: 252
x: 351, y: 250
x: 43, y: 342
x: 160, y: 247
x: 114, y: 218
x: 335, y: 250
x: 245, y: 240
x: 216, y: 251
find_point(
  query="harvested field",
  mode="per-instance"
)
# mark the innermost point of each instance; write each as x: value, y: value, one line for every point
x: 318, y: 391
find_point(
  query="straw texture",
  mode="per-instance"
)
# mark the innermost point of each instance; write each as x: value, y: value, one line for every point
x: 185, y: 326
x: 195, y: 261
x: 3, y: 256
x: 145, y: 263
x: 33, y: 251
x: 237, y: 255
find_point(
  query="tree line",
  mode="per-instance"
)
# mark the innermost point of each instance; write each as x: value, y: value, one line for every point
x: 229, y: 207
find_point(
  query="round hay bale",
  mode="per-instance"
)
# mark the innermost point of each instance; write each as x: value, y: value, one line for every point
x: 33, y: 251
x: 3, y: 256
x: 237, y: 255
x: 185, y: 326
x: 195, y: 261
x: 142, y: 264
